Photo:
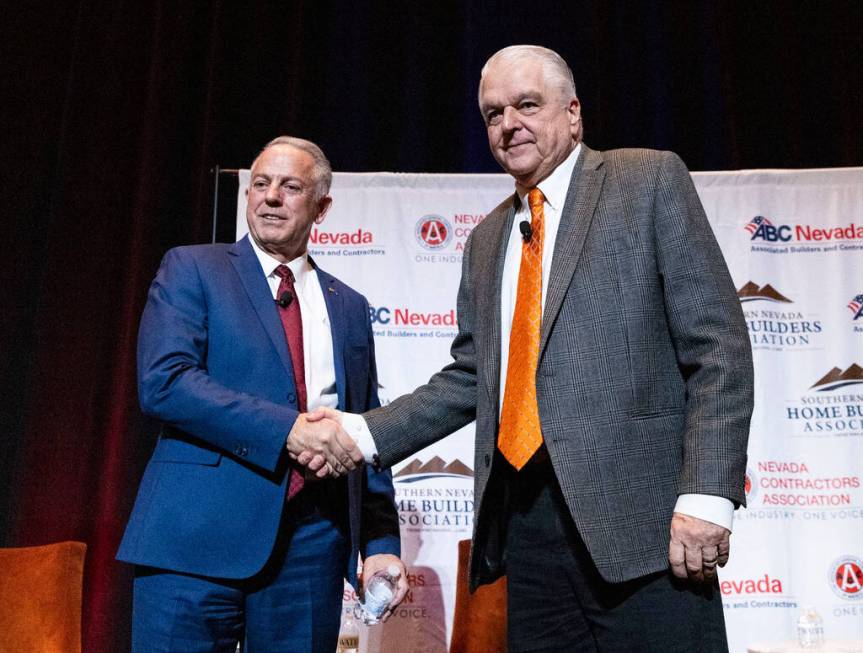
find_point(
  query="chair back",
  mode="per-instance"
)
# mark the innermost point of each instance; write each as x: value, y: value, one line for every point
x: 479, y: 624
x: 40, y: 598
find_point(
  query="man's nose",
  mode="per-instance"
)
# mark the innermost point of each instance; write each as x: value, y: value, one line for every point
x: 511, y: 120
x: 273, y: 196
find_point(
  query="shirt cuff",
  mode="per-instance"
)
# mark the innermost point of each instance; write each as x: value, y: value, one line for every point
x: 708, y: 507
x: 356, y: 427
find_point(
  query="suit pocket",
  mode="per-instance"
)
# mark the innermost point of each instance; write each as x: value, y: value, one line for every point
x: 654, y: 414
x: 171, y: 450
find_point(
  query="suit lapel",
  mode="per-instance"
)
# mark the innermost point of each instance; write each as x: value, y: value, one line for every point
x: 494, y: 270
x: 252, y: 276
x: 335, y: 310
x: 578, y: 209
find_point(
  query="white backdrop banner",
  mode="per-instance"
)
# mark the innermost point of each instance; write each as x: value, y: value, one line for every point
x: 793, y: 241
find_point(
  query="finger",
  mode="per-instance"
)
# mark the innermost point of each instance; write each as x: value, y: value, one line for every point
x: 677, y: 559
x: 305, y: 458
x: 709, y: 561
x: 316, y: 415
x: 324, y: 472
x: 709, y: 555
x: 336, y: 469
x: 333, y: 414
x: 345, y: 451
x: 722, y: 557
x: 708, y: 573
x: 350, y: 447
x: 334, y: 453
x: 401, y: 591
x: 316, y: 461
x: 694, y: 563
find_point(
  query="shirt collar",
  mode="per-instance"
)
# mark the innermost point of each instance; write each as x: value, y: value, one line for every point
x: 555, y: 186
x: 300, y: 266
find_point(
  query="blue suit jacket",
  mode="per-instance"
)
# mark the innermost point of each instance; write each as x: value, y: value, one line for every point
x: 214, y: 367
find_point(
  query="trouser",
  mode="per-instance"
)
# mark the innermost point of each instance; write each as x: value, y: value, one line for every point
x: 557, y: 601
x: 293, y: 604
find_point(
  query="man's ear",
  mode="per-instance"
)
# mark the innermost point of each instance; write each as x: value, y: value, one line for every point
x: 324, y: 205
x: 574, y: 111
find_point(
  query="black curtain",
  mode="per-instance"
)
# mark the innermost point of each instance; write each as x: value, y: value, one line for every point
x: 115, y: 112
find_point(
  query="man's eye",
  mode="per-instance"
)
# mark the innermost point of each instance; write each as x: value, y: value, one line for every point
x: 493, y: 117
x: 259, y: 185
x: 294, y: 189
x: 527, y: 106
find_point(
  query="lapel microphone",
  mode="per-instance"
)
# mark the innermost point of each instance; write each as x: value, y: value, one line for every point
x: 285, y: 300
x: 526, y: 231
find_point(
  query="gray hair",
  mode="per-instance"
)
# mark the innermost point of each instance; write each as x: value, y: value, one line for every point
x: 323, y: 170
x: 555, y: 70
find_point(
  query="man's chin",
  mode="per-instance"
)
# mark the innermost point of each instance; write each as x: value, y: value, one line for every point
x: 518, y: 166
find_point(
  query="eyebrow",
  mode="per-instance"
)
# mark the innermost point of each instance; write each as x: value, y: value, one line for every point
x: 527, y: 95
x: 262, y: 175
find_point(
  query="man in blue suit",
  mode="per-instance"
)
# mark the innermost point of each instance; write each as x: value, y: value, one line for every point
x: 231, y: 539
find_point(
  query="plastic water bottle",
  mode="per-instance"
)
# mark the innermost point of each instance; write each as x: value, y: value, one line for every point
x: 379, y: 591
x: 810, y: 629
x: 349, y: 633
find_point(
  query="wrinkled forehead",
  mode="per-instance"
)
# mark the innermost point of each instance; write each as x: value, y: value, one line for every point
x: 283, y: 160
x: 507, y: 82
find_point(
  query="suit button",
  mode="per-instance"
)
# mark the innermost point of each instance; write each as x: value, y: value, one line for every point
x: 487, y: 460
x: 292, y: 397
x: 241, y: 451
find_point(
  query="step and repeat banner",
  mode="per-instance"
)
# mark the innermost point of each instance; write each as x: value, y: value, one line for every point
x: 793, y: 241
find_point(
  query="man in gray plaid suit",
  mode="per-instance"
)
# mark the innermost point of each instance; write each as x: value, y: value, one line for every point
x: 611, y: 532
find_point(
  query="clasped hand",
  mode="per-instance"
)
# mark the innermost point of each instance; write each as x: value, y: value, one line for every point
x: 697, y: 548
x: 318, y: 442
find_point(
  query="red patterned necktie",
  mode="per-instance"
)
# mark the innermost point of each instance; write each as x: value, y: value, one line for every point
x: 520, y: 433
x: 292, y: 322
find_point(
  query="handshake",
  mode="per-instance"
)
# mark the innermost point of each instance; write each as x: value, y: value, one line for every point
x: 318, y: 442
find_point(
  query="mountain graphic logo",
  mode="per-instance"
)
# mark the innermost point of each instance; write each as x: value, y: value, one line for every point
x: 751, y: 292
x: 836, y: 378
x: 416, y: 470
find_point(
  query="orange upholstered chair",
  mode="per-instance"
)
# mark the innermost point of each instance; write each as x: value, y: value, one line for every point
x: 40, y: 598
x: 479, y: 625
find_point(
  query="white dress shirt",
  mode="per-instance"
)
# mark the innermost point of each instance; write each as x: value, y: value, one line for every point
x: 718, y: 510
x: 320, y: 371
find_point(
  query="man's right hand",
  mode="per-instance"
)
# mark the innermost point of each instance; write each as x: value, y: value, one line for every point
x: 323, y: 447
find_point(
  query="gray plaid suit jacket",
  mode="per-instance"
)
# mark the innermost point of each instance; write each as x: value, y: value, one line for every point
x: 645, y: 373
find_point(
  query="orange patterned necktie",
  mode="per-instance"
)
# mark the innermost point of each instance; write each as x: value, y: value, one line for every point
x: 520, y: 433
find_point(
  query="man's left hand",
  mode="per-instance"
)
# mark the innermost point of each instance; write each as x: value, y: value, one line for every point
x: 381, y: 561
x: 697, y: 547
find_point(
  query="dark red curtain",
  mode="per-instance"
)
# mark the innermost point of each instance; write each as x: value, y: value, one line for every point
x: 114, y: 113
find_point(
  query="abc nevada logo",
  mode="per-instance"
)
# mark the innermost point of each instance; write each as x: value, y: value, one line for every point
x: 773, y: 323
x: 770, y: 236
x: 846, y: 578
x: 856, y: 308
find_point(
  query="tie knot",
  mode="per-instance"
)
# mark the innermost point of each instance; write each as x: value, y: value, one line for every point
x: 535, y: 198
x: 285, y: 273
